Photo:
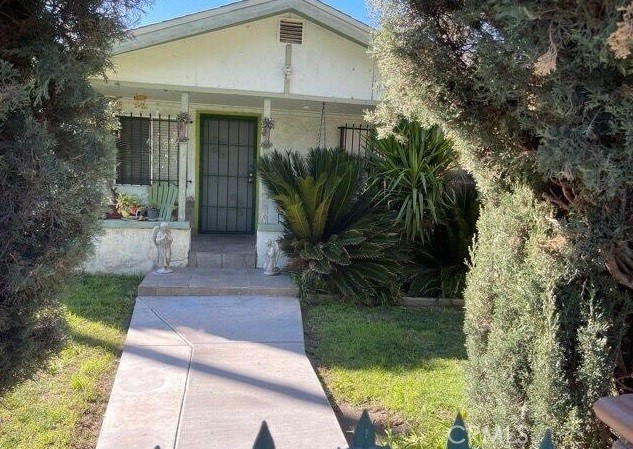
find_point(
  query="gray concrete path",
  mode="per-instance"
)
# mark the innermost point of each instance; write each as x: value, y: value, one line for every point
x: 203, y: 373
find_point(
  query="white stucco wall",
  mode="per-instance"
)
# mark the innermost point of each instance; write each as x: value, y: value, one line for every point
x: 250, y: 58
x: 126, y: 248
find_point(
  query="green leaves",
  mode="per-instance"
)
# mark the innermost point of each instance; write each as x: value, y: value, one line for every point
x: 333, y: 237
x: 56, y: 153
x: 410, y: 168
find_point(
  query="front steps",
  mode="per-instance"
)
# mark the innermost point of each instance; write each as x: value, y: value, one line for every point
x: 219, y: 265
x: 217, y: 282
x: 223, y: 251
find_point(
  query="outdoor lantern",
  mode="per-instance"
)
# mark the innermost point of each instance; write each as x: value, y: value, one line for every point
x: 267, y: 125
x: 183, y: 119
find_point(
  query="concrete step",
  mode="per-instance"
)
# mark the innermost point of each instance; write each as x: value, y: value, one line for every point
x: 235, y: 260
x: 217, y: 282
x: 223, y: 251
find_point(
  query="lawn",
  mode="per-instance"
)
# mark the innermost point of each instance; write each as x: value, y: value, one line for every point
x: 405, y: 365
x: 63, y: 404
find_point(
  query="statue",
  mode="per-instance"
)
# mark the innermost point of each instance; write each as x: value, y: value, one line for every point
x: 161, y: 236
x: 272, y: 255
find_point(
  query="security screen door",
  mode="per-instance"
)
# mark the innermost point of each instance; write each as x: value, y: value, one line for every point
x: 227, y: 174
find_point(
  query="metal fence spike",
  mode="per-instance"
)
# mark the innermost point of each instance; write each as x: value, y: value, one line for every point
x: 264, y: 439
x: 547, y: 442
x: 364, y: 435
x: 458, y: 435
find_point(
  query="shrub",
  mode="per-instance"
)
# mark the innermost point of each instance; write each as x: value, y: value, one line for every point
x: 409, y: 168
x: 332, y: 236
x: 412, y: 172
x: 537, y: 95
x: 553, y: 339
x: 439, y: 264
x: 56, y: 151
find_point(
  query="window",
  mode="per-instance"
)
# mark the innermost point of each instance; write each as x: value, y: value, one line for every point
x: 354, y: 138
x: 147, y: 150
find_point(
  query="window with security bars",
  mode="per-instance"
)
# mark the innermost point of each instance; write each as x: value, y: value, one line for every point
x: 147, y: 150
x: 354, y: 138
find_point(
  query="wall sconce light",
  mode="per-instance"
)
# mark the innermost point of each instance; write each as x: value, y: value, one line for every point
x: 183, y: 119
x: 267, y: 125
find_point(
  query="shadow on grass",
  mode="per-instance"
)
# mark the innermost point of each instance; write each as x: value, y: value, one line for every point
x: 96, y: 342
x: 30, y: 350
x: 107, y: 299
x: 379, y: 345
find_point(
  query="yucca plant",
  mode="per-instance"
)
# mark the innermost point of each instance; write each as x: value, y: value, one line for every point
x: 441, y: 262
x: 333, y: 237
x: 408, y: 169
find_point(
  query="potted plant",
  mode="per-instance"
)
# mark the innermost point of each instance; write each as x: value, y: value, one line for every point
x: 128, y: 205
x: 152, y: 210
x: 111, y: 200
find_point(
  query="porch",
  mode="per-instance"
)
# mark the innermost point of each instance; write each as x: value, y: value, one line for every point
x: 213, y: 162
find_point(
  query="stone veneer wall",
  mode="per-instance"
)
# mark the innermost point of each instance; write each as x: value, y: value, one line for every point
x: 126, y: 247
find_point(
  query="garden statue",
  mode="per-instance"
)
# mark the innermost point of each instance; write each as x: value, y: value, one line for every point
x: 161, y: 236
x: 272, y: 256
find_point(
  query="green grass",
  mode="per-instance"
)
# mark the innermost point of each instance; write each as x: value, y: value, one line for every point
x: 62, y: 405
x: 405, y: 362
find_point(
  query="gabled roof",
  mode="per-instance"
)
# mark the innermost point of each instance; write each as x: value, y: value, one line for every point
x: 242, y: 12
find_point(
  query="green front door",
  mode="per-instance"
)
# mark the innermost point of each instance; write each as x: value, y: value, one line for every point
x: 227, y: 174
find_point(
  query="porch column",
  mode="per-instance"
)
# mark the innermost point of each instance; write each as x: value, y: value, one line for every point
x: 183, y: 152
x: 267, y: 107
x: 268, y: 216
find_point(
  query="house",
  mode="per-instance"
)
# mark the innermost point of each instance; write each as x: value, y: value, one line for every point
x: 252, y: 76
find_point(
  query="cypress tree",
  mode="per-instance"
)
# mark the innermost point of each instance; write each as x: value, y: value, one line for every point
x: 56, y: 150
x: 538, y: 97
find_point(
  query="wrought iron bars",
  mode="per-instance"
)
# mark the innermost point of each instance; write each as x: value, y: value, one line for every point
x: 147, y: 150
x: 365, y: 436
x: 353, y: 138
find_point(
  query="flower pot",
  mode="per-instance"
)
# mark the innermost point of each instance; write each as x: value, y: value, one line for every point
x: 152, y: 213
x: 113, y: 212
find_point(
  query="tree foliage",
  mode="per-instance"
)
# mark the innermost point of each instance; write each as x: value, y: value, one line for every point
x: 539, y: 100
x: 55, y: 153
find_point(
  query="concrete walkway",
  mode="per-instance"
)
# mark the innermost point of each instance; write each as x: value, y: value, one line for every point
x: 203, y: 372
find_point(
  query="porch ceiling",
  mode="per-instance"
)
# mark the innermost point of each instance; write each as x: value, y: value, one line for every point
x: 244, y: 100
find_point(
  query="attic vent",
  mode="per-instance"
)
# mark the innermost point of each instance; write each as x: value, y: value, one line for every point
x: 290, y: 32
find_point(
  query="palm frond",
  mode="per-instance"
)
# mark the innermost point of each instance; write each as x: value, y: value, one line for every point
x: 411, y: 167
x: 333, y: 235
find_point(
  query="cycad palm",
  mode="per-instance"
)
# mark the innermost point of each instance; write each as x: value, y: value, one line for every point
x: 332, y: 236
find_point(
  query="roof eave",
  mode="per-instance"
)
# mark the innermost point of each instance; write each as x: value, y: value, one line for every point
x: 244, y: 12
